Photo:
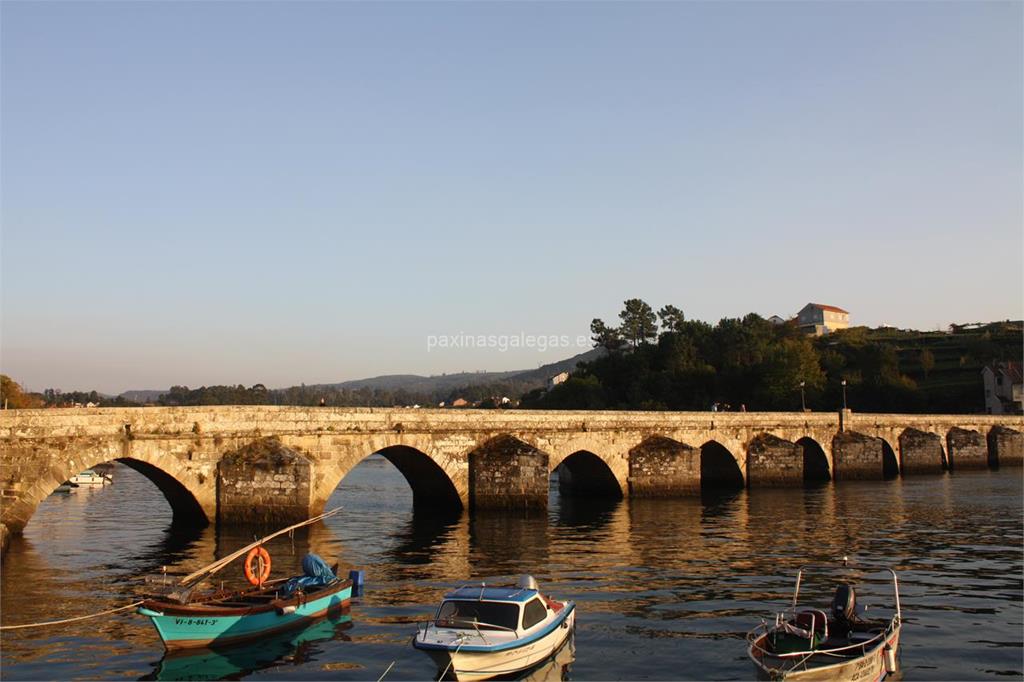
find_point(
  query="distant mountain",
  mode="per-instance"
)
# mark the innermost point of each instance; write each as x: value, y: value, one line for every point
x: 544, y: 372
x: 415, y: 383
x: 445, y: 382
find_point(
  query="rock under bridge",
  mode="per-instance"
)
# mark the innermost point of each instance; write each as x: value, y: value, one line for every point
x: 271, y: 464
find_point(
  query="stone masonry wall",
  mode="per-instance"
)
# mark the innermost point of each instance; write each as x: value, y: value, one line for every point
x: 1005, y: 447
x: 662, y: 467
x: 41, y: 448
x: 263, y: 483
x: 920, y: 452
x: 967, y: 449
x: 774, y: 463
x: 506, y: 473
x: 857, y: 456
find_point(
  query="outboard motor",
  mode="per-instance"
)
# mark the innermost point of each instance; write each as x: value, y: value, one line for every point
x: 844, y: 604
x: 527, y: 582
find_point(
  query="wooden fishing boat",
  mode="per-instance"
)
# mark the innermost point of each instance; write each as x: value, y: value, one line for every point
x: 481, y: 632
x: 239, y: 660
x: 185, y: 618
x: 221, y: 618
x: 841, y: 644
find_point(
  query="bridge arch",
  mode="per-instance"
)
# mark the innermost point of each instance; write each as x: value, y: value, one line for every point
x: 431, y: 485
x: 584, y: 474
x: 183, y: 489
x: 817, y: 468
x: 719, y: 469
x: 890, y: 463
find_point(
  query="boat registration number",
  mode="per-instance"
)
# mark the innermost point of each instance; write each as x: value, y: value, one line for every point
x: 866, y: 669
x: 195, y: 621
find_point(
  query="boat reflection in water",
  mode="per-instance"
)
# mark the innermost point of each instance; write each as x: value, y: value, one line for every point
x: 556, y: 667
x: 297, y: 647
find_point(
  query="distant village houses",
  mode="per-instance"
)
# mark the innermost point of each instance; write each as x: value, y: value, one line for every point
x: 776, y: 320
x: 1004, y: 388
x: 819, y: 319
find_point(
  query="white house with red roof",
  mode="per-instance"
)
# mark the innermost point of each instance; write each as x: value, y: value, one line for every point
x: 1004, y: 388
x: 819, y: 319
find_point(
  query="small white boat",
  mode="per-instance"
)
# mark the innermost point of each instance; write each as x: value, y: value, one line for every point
x: 90, y: 477
x: 810, y: 644
x: 481, y: 632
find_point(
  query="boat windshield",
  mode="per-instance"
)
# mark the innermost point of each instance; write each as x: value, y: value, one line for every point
x: 483, y: 614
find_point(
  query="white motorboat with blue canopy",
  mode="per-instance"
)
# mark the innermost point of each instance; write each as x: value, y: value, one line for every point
x: 480, y: 632
x: 90, y: 477
x: 840, y: 644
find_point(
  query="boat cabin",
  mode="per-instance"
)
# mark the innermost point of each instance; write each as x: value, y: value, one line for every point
x: 494, y: 608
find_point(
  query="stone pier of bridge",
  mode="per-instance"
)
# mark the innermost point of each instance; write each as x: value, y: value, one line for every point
x: 269, y: 464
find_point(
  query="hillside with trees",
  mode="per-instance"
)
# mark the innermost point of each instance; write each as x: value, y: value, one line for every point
x: 662, y: 361
x: 478, y: 388
x: 13, y: 396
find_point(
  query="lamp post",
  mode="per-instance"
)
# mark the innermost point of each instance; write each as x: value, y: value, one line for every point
x: 844, y: 393
x: 803, y: 403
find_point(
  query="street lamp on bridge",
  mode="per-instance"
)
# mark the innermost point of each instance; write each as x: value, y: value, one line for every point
x: 803, y: 403
x: 843, y: 382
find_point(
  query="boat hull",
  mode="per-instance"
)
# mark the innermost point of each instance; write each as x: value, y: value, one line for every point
x: 870, y: 667
x: 483, y: 665
x: 189, y: 628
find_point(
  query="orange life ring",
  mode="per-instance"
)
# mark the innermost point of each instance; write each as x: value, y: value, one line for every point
x: 257, y: 565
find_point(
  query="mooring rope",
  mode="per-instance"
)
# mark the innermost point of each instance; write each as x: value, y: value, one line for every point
x: 451, y: 659
x: 381, y: 678
x: 70, y: 620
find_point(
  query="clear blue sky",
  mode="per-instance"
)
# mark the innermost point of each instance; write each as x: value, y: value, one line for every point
x: 243, y: 192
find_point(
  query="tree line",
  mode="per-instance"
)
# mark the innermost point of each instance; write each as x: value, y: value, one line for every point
x: 662, y: 361
x: 482, y: 395
x: 751, y: 363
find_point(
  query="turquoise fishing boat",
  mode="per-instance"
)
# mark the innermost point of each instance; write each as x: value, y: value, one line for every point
x: 186, y: 617
x: 222, y: 618
x: 239, y: 660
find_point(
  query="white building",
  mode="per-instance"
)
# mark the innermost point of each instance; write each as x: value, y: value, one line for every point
x: 559, y: 378
x: 1004, y: 388
x: 819, y: 319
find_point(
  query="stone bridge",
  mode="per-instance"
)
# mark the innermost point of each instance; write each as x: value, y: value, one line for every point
x: 270, y: 464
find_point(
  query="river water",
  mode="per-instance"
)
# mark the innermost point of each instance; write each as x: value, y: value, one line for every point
x: 666, y: 589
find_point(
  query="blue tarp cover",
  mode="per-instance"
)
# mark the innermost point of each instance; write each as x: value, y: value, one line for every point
x: 316, y: 575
